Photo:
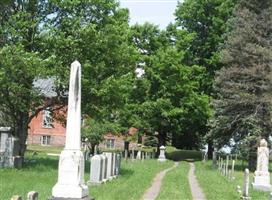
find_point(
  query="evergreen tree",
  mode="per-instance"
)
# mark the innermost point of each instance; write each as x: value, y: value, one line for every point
x: 244, y: 85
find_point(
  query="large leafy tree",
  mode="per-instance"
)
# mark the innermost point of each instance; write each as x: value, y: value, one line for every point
x: 41, y: 38
x: 243, y: 86
x: 170, y: 99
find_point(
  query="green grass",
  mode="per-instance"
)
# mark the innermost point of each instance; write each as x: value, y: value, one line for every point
x: 136, y: 177
x: 216, y: 186
x: 44, y: 149
x: 175, y: 185
x: 40, y: 174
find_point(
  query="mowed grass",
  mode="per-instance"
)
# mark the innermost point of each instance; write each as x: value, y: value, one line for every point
x: 136, y: 177
x: 216, y: 186
x: 175, y: 184
x: 40, y: 174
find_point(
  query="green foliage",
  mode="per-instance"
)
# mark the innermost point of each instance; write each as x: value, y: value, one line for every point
x: 94, y: 130
x: 243, y: 87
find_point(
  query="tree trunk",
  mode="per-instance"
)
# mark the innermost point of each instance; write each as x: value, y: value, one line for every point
x: 210, y: 149
x: 21, y: 131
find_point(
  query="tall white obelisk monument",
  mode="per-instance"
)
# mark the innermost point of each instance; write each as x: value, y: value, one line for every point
x: 70, y: 183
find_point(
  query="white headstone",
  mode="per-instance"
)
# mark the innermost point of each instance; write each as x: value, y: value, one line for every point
x: 162, y: 154
x: 110, y: 165
x: 104, y: 167
x: 232, y: 170
x: 71, y: 162
x: 32, y: 195
x: 114, y: 165
x: 138, y: 157
x: 118, y: 163
x: 96, y: 170
x: 132, y: 154
x: 245, y: 194
x: 261, y: 175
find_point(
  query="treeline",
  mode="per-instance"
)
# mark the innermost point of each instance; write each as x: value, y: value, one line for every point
x: 205, y: 78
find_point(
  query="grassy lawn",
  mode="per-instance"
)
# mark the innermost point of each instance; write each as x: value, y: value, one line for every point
x: 44, y: 149
x: 40, y: 174
x: 175, y: 184
x: 216, y: 186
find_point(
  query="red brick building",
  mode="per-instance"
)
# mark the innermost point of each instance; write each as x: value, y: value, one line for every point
x: 44, y: 130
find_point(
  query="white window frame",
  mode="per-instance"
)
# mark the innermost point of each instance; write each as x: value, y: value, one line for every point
x: 110, y: 143
x: 47, y: 119
x: 45, y: 140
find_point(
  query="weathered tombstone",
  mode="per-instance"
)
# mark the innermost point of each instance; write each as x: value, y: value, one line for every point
x: 126, y: 155
x: 162, y: 154
x: 238, y: 189
x: 114, y: 165
x: 245, y: 195
x: 32, y: 195
x: 138, y: 157
x: 132, y: 155
x: 214, y: 159
x: 261, y: 175
x: 232, y: 170
x: 104, y: 167
x: 118, y: 163
x: 16, y: 197
x: 110, y: 165
x: 6, y: 147
x: 227, y: 166
x: 71, y: 162
x: 153, y: 153
x: 96, y: 170
x: 146, y: 155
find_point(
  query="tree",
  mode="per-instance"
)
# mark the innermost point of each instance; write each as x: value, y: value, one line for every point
x: 243, y: 86
x: 206, y: 22
x: 170, y: 99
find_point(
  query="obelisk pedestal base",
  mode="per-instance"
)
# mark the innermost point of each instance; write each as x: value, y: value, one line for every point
x: 70, y: 183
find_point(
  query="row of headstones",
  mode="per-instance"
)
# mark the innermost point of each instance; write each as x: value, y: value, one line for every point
x: 140, y: 155
x: 104, y: 167
x: 225, y: 169
x: 30, y: 196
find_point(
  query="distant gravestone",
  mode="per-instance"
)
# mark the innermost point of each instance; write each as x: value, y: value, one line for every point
x: 110, y: 165
x: 114, y: 164
x: 138, y: 157
x: 126, y: 155
x: 245, y: 194
x: 96, y: 170
x: 16, y: 197
x: 162, y: 154
x: 32, y: 195
x: 232, y: 177
x: 261, y: 175
x: 118, y: 163
x: 132, y: 155
x: 214, y: 159
x: 227, y: 166
x: 104, y: 167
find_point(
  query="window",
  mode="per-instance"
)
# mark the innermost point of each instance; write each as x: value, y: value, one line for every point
x: 47, y: 118
x: 45, y: 140
x: 110, y: 143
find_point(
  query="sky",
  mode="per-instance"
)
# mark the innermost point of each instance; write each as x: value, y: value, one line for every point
x: 159, y: 12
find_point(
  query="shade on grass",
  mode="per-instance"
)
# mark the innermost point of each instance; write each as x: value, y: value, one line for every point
x: 41, y: 176
x: 216, y: 186
x: 175, y: 185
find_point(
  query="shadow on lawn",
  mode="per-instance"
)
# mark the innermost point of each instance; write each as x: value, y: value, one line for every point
x: 126, y: 172
x: 41, y: 163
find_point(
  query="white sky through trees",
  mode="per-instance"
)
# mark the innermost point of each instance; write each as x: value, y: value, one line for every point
x: 159, y: 12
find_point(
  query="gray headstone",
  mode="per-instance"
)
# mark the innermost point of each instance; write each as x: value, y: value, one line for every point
x: 245, y: 194
x: 109, y: 165
x: 104, y: 167
x: 96, y: 170
x: 32, y: 195
x: 162, y: 154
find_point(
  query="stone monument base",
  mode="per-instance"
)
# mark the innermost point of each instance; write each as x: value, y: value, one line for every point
x: 262, y: 183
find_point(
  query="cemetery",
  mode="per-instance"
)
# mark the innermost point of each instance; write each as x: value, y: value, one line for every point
x: 98, y: 101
